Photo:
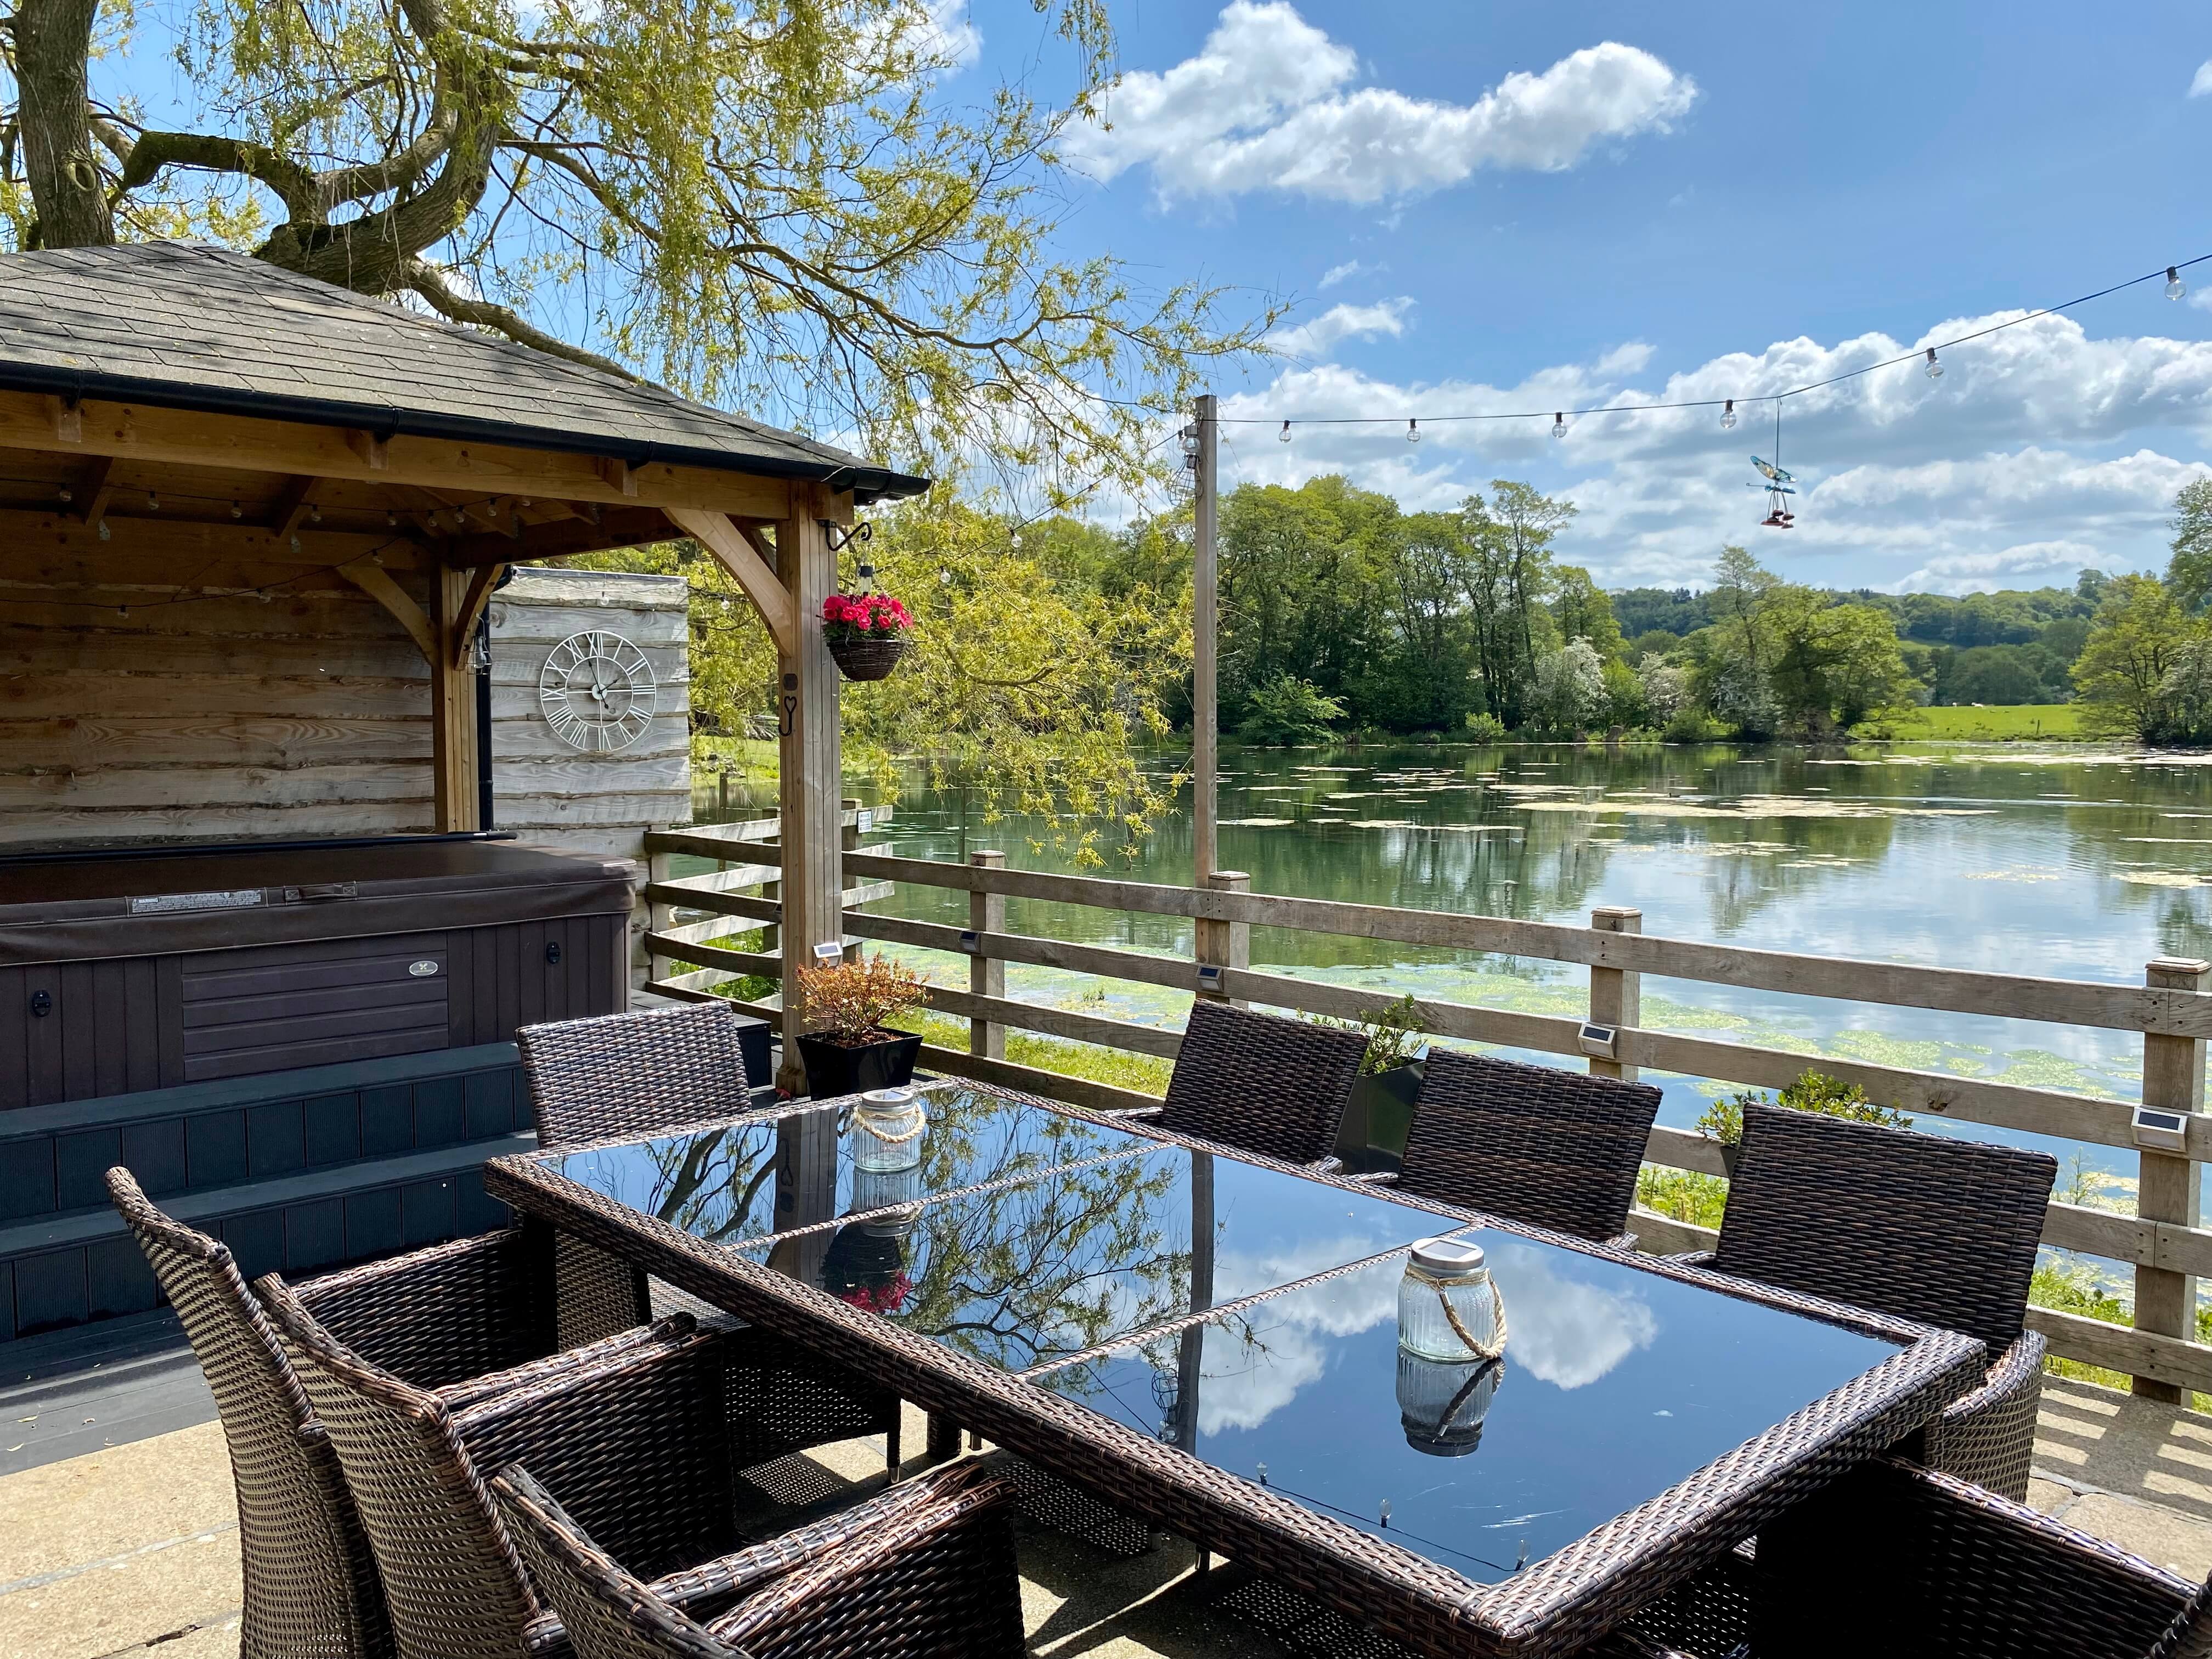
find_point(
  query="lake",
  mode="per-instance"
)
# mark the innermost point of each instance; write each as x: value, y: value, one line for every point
x: 2069, y: 860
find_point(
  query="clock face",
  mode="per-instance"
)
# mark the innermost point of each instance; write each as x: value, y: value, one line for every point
x: 597, y: 691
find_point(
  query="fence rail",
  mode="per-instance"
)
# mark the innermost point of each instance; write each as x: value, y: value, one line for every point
x: 2171, y: 1011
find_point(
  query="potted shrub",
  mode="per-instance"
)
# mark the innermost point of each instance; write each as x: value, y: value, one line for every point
x: 866, y: 632
x: 1380, y: 1109
x: 846, y: 1048
x: 1813, y: 1091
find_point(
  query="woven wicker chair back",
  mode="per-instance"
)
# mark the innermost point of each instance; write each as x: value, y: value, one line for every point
x: 608, y: 1614
x: 1917, y: 1226
x: 1274, y: 1085
x: 634, y: 1074
x: 452, y: 1579
x: 450, y: 1312
x: 1531, y: 1143
x: 310, y: 1581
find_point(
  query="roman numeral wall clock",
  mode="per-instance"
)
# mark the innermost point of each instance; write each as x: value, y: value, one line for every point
x: 597, y: 692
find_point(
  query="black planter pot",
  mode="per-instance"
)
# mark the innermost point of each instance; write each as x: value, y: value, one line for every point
x: 833, y: 1069
x: 1730, y: 1152
x: 1377, y: 1116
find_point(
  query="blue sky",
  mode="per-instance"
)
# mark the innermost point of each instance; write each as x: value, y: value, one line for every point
x: 1537, y: 207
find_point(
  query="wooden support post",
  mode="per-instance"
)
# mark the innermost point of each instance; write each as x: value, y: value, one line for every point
x: 808, y: 780
x: 1616, y: 994
x: 2172, y: 1078
x: 1205, y: 704
x: 986, y: 914
x: 1225, y: 943
x: 455, y: 802
x: 660, y: 916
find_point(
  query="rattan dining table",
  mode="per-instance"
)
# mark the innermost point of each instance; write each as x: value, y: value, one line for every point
x: 1205, y: 1339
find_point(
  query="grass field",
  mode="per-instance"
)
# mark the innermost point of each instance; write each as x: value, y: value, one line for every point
x: 2017, y: 723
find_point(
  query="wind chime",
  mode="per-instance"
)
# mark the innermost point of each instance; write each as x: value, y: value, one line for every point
x: 1779, y: 483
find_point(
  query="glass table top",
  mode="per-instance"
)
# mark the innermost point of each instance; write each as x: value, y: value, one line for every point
x: 776, y: 1173
x: 1615, y: 1384
x: 1027, y: 1271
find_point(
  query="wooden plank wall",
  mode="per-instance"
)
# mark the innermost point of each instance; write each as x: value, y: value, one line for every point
x: 552, y: 795
x: 126, y: 715
x: 137, y: 708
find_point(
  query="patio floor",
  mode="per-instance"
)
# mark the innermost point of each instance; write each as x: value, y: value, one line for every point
x: 132, y: 1549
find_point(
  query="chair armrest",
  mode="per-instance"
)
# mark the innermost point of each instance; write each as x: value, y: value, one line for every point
x: 753, y: 1568
x: 1987, y: 1438
x: 1959, y: 1572
x: 458, y: 1396
x: 443, y: 1314
x: 940, y: 1563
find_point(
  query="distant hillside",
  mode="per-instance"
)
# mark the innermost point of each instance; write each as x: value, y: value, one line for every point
x: 2014, y: 646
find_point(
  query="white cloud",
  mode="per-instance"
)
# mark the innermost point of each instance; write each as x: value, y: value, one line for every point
x: 1316, y: 339
x: 1268, y: 104
x: 2202, y: 85
x: 1348, y: 270
x: 2039, y: 444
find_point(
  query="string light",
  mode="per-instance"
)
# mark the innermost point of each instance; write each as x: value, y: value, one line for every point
x: 2175, y: 289
x: 103, y: 529
x: 1284, y: 436
x: 236, y: 511
x: 1413, y: 432
x: 152, y: 502
x: 66, y: 497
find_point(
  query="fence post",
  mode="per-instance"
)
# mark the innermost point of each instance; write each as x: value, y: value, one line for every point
x: 848, y: 840
x: 987, y: 977
x: 1616, y: 994
x: 1226, y: 944
x: 659, y: 917
x: 2172, y: 1078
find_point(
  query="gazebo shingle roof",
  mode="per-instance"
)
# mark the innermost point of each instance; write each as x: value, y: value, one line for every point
x: 181, y: 325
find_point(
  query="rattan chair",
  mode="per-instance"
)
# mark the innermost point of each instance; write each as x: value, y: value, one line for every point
x: 1919, y: 1226
x: 630, y: 1076
x: 925, y: 1571
x: 1272, y: 1085
x: 309, y: 1580
x: 644, y: 1439
x: 1896, y: 1558
x: 626, y: 1076
x: 1532, y: 1143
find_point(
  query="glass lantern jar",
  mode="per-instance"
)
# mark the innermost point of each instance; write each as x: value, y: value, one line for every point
x: 887, y: 1129
x: 1440, y: 1404
x: 1448, y: 1309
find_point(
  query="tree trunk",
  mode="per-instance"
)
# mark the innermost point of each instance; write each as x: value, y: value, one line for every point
x: 53, y: 39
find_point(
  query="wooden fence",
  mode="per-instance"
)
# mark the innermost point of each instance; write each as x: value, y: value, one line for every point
x: 2173, y: 1010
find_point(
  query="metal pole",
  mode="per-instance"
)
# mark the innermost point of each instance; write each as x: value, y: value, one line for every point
x: 1205, y: 706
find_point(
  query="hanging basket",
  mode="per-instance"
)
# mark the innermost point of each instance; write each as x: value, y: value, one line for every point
x: 867, y: 659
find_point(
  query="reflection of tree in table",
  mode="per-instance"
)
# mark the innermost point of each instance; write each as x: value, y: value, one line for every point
x: 707, y: 1184
x: 1052, y: 1267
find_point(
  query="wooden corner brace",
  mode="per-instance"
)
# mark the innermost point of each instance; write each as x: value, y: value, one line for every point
x: 375, y: 580
x: 736, y: 554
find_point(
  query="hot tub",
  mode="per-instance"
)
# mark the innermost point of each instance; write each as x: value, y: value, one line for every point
x: 123, y: 972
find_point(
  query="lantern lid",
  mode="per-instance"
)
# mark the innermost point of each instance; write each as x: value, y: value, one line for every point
x: 1449, y: 1258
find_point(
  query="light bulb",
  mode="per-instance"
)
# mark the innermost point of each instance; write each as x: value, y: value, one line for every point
x: 66, y: 497
x: 1263, y: 1475
x: 103, y: 529
x: 1190, y: 440
x: 2175, y: 287
x: 236, y: 511
x: 152, y: 502
x: 1413, y: 432
x: 1728, y: 416
x: 1935, y: 368
x: 1385, y: 1511
x: 1284, y: 436
x: 1559, y: 426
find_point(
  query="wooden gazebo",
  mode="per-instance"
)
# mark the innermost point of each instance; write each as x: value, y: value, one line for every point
x: 168, y: 407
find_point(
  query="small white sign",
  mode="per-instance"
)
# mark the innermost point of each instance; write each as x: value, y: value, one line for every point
x: 425, y: 969
x: 238, y: 898
x: 864, y: 820
x: 826, y: 952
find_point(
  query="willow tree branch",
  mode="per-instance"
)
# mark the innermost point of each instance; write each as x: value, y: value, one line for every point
x: 427, y: 280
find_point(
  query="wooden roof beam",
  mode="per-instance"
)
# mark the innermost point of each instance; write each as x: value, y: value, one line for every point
x: 735, y: 551
x: 134, y: 432
x: 91, y: 493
